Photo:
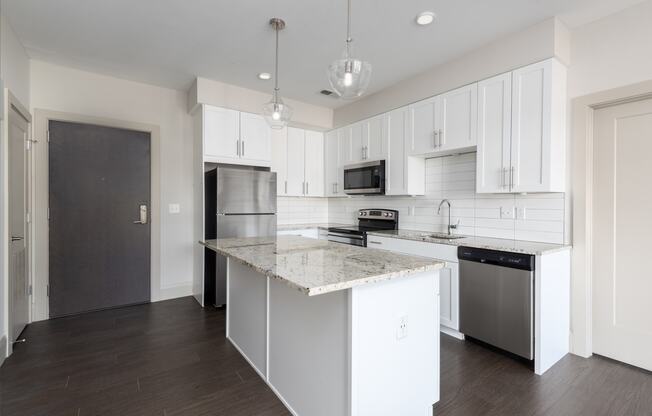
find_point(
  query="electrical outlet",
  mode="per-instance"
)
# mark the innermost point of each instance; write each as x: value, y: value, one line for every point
x: 507, y: 213
x: 401, y: 330
x: 174, y: 208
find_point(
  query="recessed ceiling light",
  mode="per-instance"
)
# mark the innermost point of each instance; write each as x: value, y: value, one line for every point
x: 265, y: 76
x: 425, y: 18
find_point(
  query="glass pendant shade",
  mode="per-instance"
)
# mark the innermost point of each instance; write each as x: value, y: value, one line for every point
x: 349, y: 77
x: 277, y: 113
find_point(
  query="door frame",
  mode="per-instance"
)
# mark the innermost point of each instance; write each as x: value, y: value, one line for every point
x: 12, y: 103
x: 42, y: 119
x: 581, y: 184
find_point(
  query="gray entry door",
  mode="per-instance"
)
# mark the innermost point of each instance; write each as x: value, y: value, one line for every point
x: 99, y: 199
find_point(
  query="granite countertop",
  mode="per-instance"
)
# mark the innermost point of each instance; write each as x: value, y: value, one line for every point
x: 315, y: 267
x: 305, y: 226
x: 500, y: 244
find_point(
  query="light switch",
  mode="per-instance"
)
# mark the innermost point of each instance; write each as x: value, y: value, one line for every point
x: 174, y: 208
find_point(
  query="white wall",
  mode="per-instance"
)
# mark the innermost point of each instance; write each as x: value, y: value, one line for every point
x: 63, y: 89
x: 14, y: 72
x: 206, y: 91
x: 611, y: 52
x: 536, y: 43
x: 453, y: 178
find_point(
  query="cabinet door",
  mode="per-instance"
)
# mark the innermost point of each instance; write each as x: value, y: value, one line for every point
x: 374, y: 138
x: 458, y: 118
x: 344, y: 135
x: 296, y: 158
x: 255, y: 136
x: 449, y: 296
x: 332, y: 167
x: 396, y: 124
x: 494, y: 134
x: 357, y: 143
x: 280, y: 159
x: 423, y: 124
x: 531, y: 105
x: 221, y: 133
x: 314, y: 163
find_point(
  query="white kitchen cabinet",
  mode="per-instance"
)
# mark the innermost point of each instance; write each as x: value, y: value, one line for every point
x: 280, y: 159
x: 448, y: 276
x: 332, y: 168
x: 423, y: 126
x: 457, y: 119
x: 522, y: 138
x: 255, y: 138
x: 314, y: 163
x: 538, y: 128
x: 404, y: 175
x: 296, y: 162
x: 235, y: 137
x: 357, y: 143
x: 494, y: 134
x: 307, y: 233
x: 221, y: 133
x: 346, y: 151
x: 374, y: 138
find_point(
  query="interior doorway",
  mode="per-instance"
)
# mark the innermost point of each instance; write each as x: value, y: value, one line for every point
x: 99, y: 217
x: 19, y: 285
x: 621, y: 226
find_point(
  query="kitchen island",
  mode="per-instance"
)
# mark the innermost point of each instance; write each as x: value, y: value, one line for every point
x: 335, y: 329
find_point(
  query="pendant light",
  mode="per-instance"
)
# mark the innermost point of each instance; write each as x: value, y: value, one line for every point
x: 276, y: 112
x: 349, y: 77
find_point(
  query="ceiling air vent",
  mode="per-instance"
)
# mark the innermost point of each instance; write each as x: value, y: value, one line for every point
x: 326, y: 92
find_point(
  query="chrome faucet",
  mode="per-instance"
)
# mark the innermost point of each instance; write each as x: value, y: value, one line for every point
x: 450, y: 226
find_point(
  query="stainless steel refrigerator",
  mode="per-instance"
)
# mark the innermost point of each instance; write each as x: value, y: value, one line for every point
x: 240, y: 202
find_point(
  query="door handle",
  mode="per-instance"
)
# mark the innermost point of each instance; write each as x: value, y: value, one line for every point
x: 434, y: 140
x: 511, y: 177
x: 243, y: 151
x: 142, y: 211
x: 307, y: 188
x: 14, y: 238
x: 441, y: 137
x: 286, y: 187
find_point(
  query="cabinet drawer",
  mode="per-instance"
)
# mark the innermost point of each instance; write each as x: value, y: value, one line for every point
x: 417, y: 248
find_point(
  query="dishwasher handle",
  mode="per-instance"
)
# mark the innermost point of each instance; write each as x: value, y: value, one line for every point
x: 497, y: 258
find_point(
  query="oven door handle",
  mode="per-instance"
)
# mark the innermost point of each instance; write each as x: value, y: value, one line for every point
x: 344, y: 235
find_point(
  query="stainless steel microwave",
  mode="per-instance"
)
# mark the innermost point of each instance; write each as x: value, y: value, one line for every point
x: 367, y: 178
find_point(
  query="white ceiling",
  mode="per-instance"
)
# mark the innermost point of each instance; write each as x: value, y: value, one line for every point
x: 170, y: 42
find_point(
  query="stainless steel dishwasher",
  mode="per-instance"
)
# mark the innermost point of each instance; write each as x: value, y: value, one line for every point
x: 497, y: 299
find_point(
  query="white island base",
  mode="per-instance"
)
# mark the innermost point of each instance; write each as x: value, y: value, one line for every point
x: 371, y: 349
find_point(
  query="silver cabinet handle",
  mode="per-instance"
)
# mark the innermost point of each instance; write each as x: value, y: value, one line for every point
x: 286, y: 187
x: 442, y: 138
x: 303, y: 188
x: 434, y: 140
x: 375, y: 242
x: 335, y: 187
x: 307, y: 188
x: 243, y: 142
x: 142, y: 211
x: 14, y: 238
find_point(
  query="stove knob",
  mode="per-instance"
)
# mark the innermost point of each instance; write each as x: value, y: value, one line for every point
x: 386, y: 214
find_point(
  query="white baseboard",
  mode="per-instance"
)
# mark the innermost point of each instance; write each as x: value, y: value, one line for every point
x: 173, y: 292
x: 453, y: 333
x: 3, y: 349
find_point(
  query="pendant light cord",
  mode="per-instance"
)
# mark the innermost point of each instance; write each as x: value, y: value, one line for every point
x: 276, y: 67
x: 348, y: 25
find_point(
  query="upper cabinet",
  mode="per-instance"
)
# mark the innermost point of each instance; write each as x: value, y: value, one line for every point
x: 333, y: 172
x: 298, y: 160
x: 457, y: 121
x: 235, y: 137
x: 444, y: 123
x: 524, y: 152
x: 374, y: 138
x: 405, y: 175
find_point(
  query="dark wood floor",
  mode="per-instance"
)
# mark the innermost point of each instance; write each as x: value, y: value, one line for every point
x: 171, y: 358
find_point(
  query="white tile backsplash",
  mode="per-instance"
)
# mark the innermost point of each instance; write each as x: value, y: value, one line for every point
x: 535, y: 217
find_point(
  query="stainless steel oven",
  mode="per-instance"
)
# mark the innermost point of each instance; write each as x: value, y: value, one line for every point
x: 367, y: 178
x: 368, y: 220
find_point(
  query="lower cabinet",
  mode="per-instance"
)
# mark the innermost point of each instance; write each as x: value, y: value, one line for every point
x: 449, y: 317
x: 307, y: 233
